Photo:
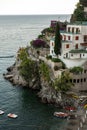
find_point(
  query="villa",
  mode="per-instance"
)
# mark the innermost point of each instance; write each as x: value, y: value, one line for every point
x: 74, y: 51
x: 74, y: 42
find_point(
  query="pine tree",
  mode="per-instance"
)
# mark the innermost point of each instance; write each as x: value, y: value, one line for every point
x: 57, y: 47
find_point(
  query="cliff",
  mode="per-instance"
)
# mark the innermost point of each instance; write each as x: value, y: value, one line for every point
x: 40, y: 77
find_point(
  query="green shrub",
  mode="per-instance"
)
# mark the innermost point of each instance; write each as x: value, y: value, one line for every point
x: 23, y: 54
x: 49, y: 30
x: 49, y: 57
x: 63, y: 83
x: 76, y: 70
x: 56, y: 60
x: 44, y: 69
x: 40, y: 36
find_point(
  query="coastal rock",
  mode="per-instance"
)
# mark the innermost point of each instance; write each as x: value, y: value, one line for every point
x: 46, y: 92
x: 37, y: 80
x: 8, y: 76
x: 9, y: 69
x: 14, y: 77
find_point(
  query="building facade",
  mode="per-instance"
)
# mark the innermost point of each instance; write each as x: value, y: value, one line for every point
x: 80, y: 79
x: 74, y: 42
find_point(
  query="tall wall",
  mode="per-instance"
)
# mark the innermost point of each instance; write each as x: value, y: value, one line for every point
x: 80, y: 80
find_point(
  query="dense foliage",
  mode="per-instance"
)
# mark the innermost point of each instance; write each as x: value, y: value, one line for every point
x: 48, y: 30
x: 58, y: 60
x: 22, y: 53
x: 76, y: 70
x: 78, y: 14
x: 40, y: 36
x: 44, y: 69
x: 27, y: 69
x: 27, y: 66
x: 57, y: 47
x: 49, y: 57
x: 63, y: 83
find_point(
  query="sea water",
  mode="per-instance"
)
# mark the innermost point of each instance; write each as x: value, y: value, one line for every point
x: 16, y: 32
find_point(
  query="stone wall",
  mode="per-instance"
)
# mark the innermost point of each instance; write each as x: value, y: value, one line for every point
x: 80, y: 80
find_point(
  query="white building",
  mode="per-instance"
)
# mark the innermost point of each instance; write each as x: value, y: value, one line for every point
x: 74, y: 42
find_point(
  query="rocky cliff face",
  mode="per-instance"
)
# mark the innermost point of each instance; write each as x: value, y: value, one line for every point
x: 45, y: 90
x: 41, y: 81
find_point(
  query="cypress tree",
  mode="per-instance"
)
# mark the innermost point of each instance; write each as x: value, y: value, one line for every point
x: 57, y: 47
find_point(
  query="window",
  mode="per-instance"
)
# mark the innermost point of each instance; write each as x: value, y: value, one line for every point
x: 70, y: 80
x: 68, y: 29
x: 68, y: 37
x: 84, y: 79
x: 77, y: 80
x: 52, y: 44
x: 71, y: 54
x: 72, y: 30
x: 77, y: 30
x: 84, y: 71
x: 64, y: 37
x: 85, y: 38
x: 76, y: 46
x: 83, y: 54
x: 67, y: 45
x: 81, y: 80
x: 77, y: 38
x: 52, y: 51
x: 74, y: 80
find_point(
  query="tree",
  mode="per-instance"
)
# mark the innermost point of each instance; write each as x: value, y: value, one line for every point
x: 44, y: 69
x: 27, y: 69
x: 78, y: 14
x: 63, y: 83
x: 76, y: 70
x: 83, y: 2
x: 57, y: 47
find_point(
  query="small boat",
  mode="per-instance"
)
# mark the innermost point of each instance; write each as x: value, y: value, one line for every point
x: 61, y: 114
x: 1, y: 112
x: 11, y: 115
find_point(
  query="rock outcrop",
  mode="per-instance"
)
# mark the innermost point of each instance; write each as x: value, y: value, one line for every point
x: 45, y: 90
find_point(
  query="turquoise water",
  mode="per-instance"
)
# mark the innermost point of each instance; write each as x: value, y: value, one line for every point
x: 15, y: 32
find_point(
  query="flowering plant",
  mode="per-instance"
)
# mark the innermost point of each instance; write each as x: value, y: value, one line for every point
x: 38, y: 43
